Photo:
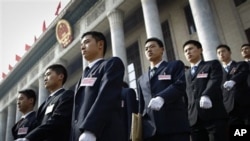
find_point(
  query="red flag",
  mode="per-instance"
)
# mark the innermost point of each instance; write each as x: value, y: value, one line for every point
x: 18, y: 58
x: 58, y: 8
x: 10, y: 67
x: 27, y: 47
x: 44, y: 26
x: 35, y: 38
x: 3, y: 75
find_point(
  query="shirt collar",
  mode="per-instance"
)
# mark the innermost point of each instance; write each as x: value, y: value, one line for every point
x: 24, y: 116
x: 197, y: 64
x: 55, y: 92
x: 157, y: 65
x: 228, y: 64
x: 90, y: 65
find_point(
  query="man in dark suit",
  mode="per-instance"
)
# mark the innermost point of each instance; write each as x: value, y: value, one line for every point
x: 161, y: 93
x: 234, y: 86
x: 26, y: 101
x: 129, y: 106
x: 207, y: 114
x: 97, y: 112
x: 54, y: 114
x: 245, y: 52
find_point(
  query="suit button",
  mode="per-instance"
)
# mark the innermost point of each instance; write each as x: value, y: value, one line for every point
x: 75, y: 121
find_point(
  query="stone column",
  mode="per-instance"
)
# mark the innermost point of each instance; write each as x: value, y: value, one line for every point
x: 42, y: 91
x: 152, y: 20
x: 10, y: 121
x: 206, y: 27
x: 3, y: 121
x: 115, y: 18
x: 18, y: 114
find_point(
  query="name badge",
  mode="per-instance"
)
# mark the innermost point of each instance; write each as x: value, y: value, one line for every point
x: 22, y: 131
x: 49, y: 109
x: 164, y: 77
x: 202, y: 75
x: 89, y: 81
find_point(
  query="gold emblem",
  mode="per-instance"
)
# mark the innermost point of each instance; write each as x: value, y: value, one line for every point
x: 64, y: 33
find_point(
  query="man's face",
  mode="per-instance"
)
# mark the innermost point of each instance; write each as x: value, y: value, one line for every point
x: 223, y: 55
x: 24, y: 103
x: 245, y: 52
x: 192, y: 53
x: 153, y: 51
x: 52, y: 80
x: 90, y: 48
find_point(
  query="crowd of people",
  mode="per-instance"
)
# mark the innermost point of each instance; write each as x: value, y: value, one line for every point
x: 177, y: 103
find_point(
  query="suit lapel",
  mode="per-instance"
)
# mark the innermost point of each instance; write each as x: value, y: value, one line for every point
x: 198, y: 69
x: 89, y: 74
x: 42, y: 108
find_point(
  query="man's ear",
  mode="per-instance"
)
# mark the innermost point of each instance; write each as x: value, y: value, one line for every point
x: 101, y: 44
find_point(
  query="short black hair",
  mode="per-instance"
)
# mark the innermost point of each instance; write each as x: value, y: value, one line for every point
x: 223, y: 46
x: 98, y: 36
x: 29, y: 93
x: 158, y: 41
x: 194, y: 42
x: 59, y: 69
x: 245, y: 45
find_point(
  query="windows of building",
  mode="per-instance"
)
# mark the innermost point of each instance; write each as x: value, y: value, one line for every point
x: 168, y: 41
x: 247, y: 31
x: 189, y: 19
x: 239, y: 2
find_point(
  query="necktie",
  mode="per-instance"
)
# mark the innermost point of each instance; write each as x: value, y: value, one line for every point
x: 86, y: 71
x: 152, y: 72
x: 193, y: 70
x: 47, y: 100
x: 19, y: 123
x: 227, y: 68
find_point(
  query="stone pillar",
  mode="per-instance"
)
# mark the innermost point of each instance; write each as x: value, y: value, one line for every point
x: 115, y: 18
x: 206, y: 27
x: 10, y: 121
x: 42, y: 91
x: 3, y: 121
x: 152, y: 20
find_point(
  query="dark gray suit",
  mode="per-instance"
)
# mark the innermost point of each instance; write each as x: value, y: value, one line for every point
x: 97, y: 108
x: 206, y: 82
x: 237, y: 99
x: 169, y: 83
x: 29, y: 122
x: 54, y: 125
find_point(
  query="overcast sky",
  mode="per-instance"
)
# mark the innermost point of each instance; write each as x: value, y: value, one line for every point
x: 20, y: 22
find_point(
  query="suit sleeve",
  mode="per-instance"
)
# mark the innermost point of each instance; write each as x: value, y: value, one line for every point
x: 177, y: 89
x: 241, y: 73
x: 214, y: 80
x: 108, y: 100
x: 60, y: 119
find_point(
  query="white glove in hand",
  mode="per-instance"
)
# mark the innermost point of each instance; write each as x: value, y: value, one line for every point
x: 87, y: 136
x: 205, y: 102
x: 229, y: 84
x: 156, y: 103
x: 21, y: 139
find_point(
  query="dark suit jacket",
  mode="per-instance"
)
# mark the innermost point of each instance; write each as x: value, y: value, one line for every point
x: 205, y: 82
x: 29, y: 122
x: 237, y: 98
x: 172, y: 117
x: 54, y: 125
x: 130, y: 105
x: 97, y: 108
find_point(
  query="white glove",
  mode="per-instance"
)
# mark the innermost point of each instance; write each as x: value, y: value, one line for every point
x: 229, y: 84
x: 21, y: 139
x: 156, y: 103
x: 87, y: 136
x: 205, y: 102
